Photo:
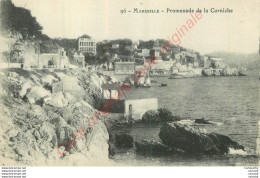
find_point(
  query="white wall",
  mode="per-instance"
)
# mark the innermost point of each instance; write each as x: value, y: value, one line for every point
x: 140, y: 106
x: 70, y: 83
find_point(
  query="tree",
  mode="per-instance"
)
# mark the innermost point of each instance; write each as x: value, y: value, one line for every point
x: 17, y: 19
x: 146, y: 44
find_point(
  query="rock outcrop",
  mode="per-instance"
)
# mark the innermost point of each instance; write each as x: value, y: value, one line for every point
x: 35, y: 121
x: 192, y: 140
x: 160, y: 115
x: 202, y: 121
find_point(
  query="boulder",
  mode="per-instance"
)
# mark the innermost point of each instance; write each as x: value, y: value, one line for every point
x: 47, y: 133
x: 56, y: 100
x: 124, y: 140
x: 224, y: 142
x: 202, y: 121
x: 37, y: 93
x: 24, y: 89
x: 160, y: 115
x: 193, y: 140
x: 151, y: 116
x: 166, y: 115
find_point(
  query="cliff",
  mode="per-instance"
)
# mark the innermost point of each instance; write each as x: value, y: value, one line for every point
x: 35, y: 121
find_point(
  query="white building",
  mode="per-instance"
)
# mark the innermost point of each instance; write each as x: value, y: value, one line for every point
x: 87, y: 45
x: 46, y: 55
x: 58, y: 60
x: 124, y: 68
x: 79, y: 58
x: 145, y: 52
x: 115, y: 46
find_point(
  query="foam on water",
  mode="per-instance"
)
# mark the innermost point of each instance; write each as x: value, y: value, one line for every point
x: 237, y: 152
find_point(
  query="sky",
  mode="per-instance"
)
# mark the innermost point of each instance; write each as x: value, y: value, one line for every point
x: 102, y: 19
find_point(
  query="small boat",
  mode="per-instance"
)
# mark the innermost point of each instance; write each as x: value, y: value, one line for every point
x: 163, y: 84
x: 146, y: 86
x: 241, y: 74
x: 153, y: 81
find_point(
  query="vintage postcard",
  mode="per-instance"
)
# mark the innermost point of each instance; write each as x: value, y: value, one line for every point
x: 129, y: 83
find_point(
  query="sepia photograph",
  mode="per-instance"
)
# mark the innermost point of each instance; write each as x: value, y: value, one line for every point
x: 173, y: 83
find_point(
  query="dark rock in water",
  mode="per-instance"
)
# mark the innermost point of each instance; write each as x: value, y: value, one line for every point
x: 160, y: 115
x: 152, y: 147
x: 241, y: 74
x: 124, y: 140
x: 166, y: 115
x: 193, y: 141
x: 151, y: 116
x: 224, y: 142
x: 202, y: 121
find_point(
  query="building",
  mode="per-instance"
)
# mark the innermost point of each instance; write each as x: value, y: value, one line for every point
x: 214, y: 62
x: 115, y: 46
x: 58, y: 59
x: 109, y: 91
x: 175, y: 49
x: 145, y: 52
x: 48, y: 55
x: 124, y: 68
x: 157, y: 53
x: 207, y: 64
x: 162, y: 68
x: 180, y: 57
x: 191, y: 57
x: 79, y: 58
x: 218, y: 62
x: 87, y: 45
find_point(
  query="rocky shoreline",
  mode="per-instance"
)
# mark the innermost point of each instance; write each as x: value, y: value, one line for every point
x: 175, y: 137
x: 35, y: 121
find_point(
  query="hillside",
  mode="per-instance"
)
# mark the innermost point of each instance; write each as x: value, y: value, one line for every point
x: 34, y: 121
x: 248, y: 61
x: 17, y: 19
